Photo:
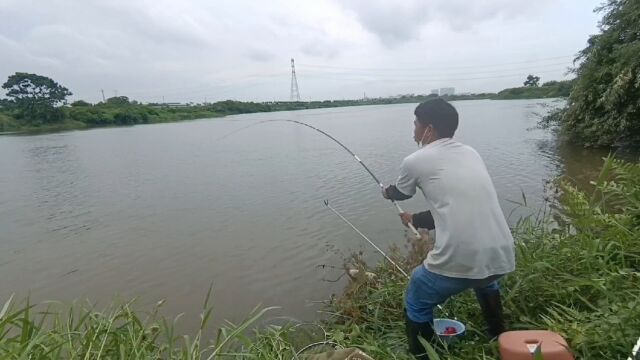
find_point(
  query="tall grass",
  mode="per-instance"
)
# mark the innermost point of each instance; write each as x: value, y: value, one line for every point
x: 48, y: 331
x: 578, y: 273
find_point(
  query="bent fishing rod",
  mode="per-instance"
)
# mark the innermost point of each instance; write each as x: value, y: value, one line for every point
x: 375, y: 178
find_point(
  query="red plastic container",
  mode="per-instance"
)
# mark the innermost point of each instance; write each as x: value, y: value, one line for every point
x: 521, y: 345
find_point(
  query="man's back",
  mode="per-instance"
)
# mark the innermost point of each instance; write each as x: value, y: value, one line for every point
x: 472, y: 237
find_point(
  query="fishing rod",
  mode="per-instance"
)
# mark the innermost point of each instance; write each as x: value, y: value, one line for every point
x: 326, y: 203
x: 635, y: 352
x: 375, y: 178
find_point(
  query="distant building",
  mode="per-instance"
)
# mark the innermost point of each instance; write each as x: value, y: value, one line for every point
x: 175, y: 104
x: 170, y: 104
x: 435, y: 92
x: 447, y: 91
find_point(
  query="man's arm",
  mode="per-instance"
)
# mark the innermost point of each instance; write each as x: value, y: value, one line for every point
x: 391, y: 192
x: 423, y: 220
x: 405, y: 186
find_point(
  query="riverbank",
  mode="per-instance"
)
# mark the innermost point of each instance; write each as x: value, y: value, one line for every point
x: 577, y: 274
x: 120, y: 111
x: 106, y: 115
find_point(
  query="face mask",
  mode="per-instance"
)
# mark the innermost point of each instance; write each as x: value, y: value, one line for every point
x: 421, y: 142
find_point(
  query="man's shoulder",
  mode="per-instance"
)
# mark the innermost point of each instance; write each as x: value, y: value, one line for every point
x: 451, y: 148
x: 461, y: 148
x: 431, y: 150
x: 471, y: 152
x: 467, y: 147
x: 418, y: 156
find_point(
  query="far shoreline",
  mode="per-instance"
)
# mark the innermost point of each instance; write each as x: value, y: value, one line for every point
x: 71, y: 125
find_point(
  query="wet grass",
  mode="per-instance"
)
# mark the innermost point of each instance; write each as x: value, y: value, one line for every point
x: 50, y: 331
x: 578, y: 274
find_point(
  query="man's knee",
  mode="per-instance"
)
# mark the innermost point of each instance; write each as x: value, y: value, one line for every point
x: 424, y: 293
x: 418, y: 310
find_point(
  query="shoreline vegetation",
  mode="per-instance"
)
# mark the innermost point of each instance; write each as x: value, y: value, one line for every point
x: 121, y: 111
x: 578, y: 274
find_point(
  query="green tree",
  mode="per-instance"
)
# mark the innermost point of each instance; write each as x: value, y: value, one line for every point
x: 80, y: 103
x: 604, y: 106
x: 118, y: 100
x: 532, y: 81
x: 36, y: 97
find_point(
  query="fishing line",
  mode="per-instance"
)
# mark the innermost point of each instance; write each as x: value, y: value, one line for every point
x: 326, y: 203
x: 375, y: 178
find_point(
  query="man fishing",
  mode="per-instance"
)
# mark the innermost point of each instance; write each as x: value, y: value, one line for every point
x: 473, y: 244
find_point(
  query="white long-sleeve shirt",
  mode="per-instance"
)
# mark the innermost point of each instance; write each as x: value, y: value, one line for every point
x: 472, y: 237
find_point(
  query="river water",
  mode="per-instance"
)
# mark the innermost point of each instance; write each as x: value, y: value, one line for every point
x: 164, y: 211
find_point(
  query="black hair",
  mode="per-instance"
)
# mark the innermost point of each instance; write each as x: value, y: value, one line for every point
x: 440, y: 114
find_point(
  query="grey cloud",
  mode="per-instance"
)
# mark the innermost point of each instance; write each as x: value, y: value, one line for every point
x: 396, y: 22
x: 260, y: 55
x: 463, y: 15
x: 309, y: 38
x: 320, y: 48
x: 392, y: 22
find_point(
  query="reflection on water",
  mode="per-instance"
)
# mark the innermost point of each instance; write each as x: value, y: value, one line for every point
x: 163, y: 211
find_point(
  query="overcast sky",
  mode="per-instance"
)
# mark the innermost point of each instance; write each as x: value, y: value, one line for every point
x: 192, y: 50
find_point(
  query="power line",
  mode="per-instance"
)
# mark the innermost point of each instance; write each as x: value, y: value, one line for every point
x: 528, y: 69
x: 424, y: 68
x: 200, y: 87
x: 429, y: 80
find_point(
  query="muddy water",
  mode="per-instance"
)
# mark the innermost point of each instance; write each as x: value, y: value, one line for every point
x: 164, y: 211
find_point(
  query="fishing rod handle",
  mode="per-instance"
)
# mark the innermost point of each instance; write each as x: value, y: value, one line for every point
x: 400, y: 211
x: 413, y: 228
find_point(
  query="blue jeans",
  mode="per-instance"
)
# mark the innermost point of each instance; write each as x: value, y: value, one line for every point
x: 427, y: 290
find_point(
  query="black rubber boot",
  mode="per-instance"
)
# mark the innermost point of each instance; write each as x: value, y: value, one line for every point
x: 491, y: 306
x: 413, y: 330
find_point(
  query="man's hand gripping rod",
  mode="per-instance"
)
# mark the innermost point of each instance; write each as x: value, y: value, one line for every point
x: 400, y: 211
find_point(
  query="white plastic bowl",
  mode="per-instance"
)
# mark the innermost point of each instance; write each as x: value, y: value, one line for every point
x: 440, y: 324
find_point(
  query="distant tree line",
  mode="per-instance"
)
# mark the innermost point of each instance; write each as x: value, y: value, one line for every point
x: 549, y: 89
x: 36, y: 102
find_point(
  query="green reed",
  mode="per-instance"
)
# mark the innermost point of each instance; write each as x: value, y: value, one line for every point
x: 49, y: 331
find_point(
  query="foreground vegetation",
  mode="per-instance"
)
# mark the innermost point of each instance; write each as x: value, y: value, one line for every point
x: 578, y: 273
